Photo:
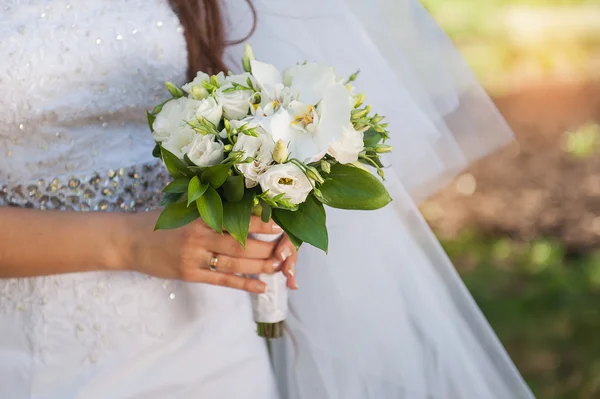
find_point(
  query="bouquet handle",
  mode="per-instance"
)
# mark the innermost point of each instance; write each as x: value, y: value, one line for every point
x: 270, y: 308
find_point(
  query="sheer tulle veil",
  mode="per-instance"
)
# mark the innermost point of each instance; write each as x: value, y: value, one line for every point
x: 384, y: 314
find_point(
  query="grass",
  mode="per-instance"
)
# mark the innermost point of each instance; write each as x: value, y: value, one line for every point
x: 543, y: 303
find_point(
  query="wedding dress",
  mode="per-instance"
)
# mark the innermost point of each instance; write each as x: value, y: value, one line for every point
x: 384, y: 315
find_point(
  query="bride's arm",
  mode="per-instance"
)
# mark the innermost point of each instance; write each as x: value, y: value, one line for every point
x: 38, y: 243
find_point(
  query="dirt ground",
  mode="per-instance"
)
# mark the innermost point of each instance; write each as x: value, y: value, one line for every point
x: 533, y: 188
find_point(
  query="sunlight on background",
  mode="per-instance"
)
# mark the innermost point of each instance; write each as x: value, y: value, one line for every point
x: 523, y: 226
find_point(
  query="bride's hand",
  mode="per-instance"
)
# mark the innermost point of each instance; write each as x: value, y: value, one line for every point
x: 185, y: 253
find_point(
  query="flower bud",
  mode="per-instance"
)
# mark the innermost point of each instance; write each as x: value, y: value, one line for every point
x: 326, y: 166
x: 227, y: 147
x: 359, y: 99
x: 248, y: 56
x: 314, y: 174
x: 382, y: 148
x: 198, y: 93
x: 280, y: 153
x: 255, y: 99
x: 359, y: 113
x: 377, y: 118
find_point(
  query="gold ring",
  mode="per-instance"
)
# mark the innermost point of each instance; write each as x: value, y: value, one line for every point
x: 214, y: 261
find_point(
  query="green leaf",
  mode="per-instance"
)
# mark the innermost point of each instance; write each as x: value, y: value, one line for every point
x: 210, y: 207
x: 169, y: 198
x: 195, y: 189
x: 233, y: 188
x: 236, y: 217
x: 306, y: 224
x: 175, y: 91
x: 216, y: 175
x: 175, y: 166
x: 178, y: 185
x: 176, y: 215
x: 372, y: 138
x: 156, y: 151
x: 151, y: 119
x: 350, y: 187
x: 295, y: 240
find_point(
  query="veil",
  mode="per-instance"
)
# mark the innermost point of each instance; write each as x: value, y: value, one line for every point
x: 384, y: 314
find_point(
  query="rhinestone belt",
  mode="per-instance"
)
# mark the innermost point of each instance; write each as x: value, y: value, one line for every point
x: 129, y: 189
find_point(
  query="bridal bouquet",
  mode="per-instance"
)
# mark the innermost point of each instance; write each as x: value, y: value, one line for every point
x: 281, y: 144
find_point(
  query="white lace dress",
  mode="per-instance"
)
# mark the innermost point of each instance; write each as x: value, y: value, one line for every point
x: 75, y: 79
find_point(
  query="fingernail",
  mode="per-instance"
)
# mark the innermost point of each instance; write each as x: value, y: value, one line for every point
x: 277, y: 265
x: 295, y: 285
x: 285, y: 253
x: 276, y: 227
x: 261, y: 288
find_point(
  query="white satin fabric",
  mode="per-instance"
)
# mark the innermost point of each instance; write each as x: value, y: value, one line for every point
x: 384, y: 314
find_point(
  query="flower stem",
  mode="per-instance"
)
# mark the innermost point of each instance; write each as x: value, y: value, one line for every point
x: 270, y: 330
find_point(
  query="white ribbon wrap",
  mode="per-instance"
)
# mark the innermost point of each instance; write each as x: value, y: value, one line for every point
x: 272, y: 306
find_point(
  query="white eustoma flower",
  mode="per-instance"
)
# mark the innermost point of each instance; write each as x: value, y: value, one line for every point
x: 346, y: 149
x: 310, y: 131
x: 177, y: 142
x: 171, y: 124
x: 173, y: 118
x: 205, y: 150
x: 210, y: 110
x: 260, y: 148
x: 236, y: 103
x: 286, y: 179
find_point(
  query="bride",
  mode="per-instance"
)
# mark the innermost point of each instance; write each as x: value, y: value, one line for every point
x: 97, y: 305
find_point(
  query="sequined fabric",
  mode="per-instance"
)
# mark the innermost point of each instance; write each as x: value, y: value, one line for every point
x: 76, y: 78
x: 131, y: 189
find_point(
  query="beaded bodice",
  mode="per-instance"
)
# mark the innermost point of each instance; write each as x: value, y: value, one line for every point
x: 75, y: 81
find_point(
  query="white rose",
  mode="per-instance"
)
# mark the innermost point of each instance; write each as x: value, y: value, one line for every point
x: 177, y: 142
x: 235, y: 103
x: 171, y: 120
x: 347, y: 148
x: 210, y: 110
x: 286, y: 179
x: 261, y: 149
x: 205, y: 150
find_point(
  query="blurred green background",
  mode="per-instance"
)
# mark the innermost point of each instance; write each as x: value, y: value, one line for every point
x: 523, y: 226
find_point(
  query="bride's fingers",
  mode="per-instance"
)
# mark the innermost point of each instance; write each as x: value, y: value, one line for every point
x: 258, y: 226
x: 289, y: 270
x: 228, y: 280
x: 285, y: 249
x: 287, y: 253
x: 227, y: 245
x: 230, y: 264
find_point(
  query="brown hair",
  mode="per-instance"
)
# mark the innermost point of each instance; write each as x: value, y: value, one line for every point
x: 204, y: 27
